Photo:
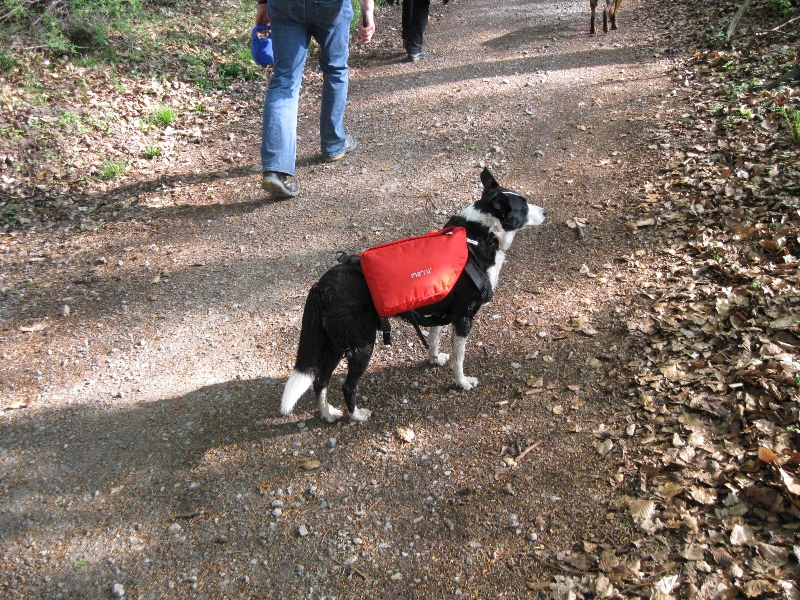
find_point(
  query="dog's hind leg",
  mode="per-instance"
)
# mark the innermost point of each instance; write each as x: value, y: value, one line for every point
x: 434, y: 356
x: 357, y: 363
x: 327, y: 413
x: 457, y: 364
x: 462, y: 329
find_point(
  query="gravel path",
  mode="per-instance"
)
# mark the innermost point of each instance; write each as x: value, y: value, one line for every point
x: 142, y: 453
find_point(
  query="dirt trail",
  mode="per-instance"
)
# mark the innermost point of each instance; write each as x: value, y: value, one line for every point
x: 150, y: 453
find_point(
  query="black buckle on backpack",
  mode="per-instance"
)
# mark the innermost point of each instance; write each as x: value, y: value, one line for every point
x: 386, y: 328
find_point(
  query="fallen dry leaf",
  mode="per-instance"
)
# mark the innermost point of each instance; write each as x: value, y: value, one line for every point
x: 768, y: 456
x: 605, y: 447
x: 406, y: 434
x: 742, y: 535
x: 16, y: 405
x: 791, y: 482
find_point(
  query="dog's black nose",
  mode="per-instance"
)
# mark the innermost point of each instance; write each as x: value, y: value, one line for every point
x: 544, y: 212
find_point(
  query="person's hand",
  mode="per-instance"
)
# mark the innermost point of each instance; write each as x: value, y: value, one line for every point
x: 366, y: 27
x: 262, y: 15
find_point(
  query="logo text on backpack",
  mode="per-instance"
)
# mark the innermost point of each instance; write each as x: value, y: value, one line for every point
x: 421, y: 273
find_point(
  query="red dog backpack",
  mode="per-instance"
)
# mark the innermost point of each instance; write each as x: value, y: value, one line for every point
x: 414, y: 272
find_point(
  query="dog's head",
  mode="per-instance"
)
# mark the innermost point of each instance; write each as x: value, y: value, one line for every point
x: 504, y: 210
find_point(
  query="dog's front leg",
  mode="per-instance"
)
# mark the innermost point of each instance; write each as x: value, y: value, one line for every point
x: 457, y: 364
x: 434, y: 357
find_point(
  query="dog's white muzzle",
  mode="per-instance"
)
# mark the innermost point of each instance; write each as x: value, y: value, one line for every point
x: 536, y: 215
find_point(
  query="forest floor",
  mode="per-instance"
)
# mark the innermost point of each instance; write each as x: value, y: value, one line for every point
x: 634, y: 431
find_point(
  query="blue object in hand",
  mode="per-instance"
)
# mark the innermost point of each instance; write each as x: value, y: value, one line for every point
x: 261, y: 47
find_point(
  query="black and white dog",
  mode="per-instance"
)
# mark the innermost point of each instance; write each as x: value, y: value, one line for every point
x: 340, y: 319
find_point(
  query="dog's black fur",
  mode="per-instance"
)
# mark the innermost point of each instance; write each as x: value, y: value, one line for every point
x: 340, y: 319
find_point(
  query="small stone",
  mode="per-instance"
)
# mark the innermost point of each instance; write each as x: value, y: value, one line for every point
x: 396, y: 576
x: 117, y: 590
x: 513, y: 520
x: 175, y: 528
x: 332, y: 442
x: 302, y: 531
x: 65, y: 310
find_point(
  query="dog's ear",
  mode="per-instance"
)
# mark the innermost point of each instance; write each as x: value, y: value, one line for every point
x: 488, y: 180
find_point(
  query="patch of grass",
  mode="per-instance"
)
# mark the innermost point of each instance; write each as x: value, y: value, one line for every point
x: 151, y: 151
x: 792, y: 116
x: 232, y: 71
x: 161, y: 116
x: 9, y: 216
x: 11, y: 133
x: 779, y: 8
x: 71, y: 27
x: 8, y: 62
x: 716, y: 39
x: 111, y: 169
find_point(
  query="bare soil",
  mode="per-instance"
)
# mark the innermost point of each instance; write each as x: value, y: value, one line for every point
x: 143, y: 361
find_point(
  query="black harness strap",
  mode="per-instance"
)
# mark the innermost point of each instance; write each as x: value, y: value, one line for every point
x: 386, y: 328
x: 413, y: 317
x: 478, y: 276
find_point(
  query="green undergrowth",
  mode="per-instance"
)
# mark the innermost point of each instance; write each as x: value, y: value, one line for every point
x: 206, y: 45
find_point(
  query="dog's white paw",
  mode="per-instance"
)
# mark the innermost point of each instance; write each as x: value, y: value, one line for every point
x: 331, y: 415
x: 466, y: 383
x: 359, y: 415
x: 439, y: 360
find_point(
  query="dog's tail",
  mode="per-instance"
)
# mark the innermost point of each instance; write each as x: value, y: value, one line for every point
x: 296, y: 386
x: 309, y: 349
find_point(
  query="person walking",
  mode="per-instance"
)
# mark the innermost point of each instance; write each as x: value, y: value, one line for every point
x: 293, y: 23
x: 415, y: 20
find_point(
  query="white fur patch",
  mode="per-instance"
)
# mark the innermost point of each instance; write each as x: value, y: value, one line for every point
x: 536, y: 215
x: 296, y: 386
x: 434, y: 357
x: 457, y: 364
x: 328, y: 413
x: 360, y: 415
x: 492, y: 223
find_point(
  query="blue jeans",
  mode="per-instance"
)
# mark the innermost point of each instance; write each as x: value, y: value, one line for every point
x: 294, y: 23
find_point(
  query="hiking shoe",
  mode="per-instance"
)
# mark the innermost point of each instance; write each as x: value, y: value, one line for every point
x: 275, y: 185
x: 349, y: 145
x: 417, y: 56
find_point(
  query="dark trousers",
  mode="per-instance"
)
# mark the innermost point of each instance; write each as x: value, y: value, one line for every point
x: 415, y: 19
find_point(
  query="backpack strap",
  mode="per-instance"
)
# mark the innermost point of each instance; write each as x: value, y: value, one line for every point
x: 412, y: 316
x: 386, y: 328
x: 478, y: 275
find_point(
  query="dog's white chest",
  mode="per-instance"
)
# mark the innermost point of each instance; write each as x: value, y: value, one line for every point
x: 494, y: 271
